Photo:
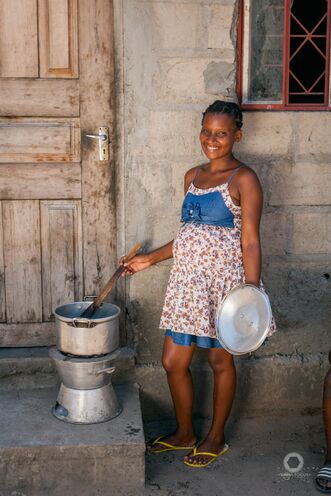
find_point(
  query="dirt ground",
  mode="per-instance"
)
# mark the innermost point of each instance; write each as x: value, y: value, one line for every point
x: 254, y: 465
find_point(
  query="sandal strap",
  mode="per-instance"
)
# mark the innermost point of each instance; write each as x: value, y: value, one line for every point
x: 205, y: 453
x: 158, y: 440
x: 162, y: 443
x: 213, y: 455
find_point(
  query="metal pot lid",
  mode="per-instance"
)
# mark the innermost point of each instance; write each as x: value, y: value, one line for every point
x: 70, y: 311
x: 243, y: 319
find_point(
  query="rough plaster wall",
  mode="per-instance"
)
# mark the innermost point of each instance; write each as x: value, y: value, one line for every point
x: 178, y: 57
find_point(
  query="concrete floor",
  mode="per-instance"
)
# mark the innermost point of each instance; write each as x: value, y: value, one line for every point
x: 252, y: 467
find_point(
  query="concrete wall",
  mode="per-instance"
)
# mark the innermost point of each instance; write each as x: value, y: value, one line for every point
x: 173, y: 59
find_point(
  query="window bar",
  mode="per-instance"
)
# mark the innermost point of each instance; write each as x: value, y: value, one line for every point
x: 308, y: 37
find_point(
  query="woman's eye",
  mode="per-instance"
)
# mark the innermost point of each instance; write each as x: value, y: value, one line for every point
x: 205, y: 132
x: 220, y: 134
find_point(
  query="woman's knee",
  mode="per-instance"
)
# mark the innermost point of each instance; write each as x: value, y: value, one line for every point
x: 221, y: 363
x: 171, y: 363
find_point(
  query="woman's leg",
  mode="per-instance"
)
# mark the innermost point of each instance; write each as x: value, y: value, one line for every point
x: 176, y: 360
x: 327, y: 424
x: 224, y: 371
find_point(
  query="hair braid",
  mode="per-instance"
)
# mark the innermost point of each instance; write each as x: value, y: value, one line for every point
x: 229, y: 108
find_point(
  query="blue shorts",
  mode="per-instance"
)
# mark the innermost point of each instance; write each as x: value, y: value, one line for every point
x: 188, y: 339
x: 201, y: 341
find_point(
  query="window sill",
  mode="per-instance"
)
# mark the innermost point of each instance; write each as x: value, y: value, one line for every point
x: 288, y: 108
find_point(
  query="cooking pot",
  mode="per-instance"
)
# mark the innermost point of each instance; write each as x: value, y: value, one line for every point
x: 243, y: 319
x: 84, y: 373
x: 87, y: 337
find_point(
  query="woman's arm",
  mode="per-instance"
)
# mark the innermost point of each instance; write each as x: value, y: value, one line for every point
x: 251, y: 201
x: 145, y: 260
x: 160, y: 254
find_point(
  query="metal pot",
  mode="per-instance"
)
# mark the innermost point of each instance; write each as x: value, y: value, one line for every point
x: 87, y: 337
x: 84, y: 373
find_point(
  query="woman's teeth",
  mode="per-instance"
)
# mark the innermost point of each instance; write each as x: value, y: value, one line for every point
x: 212, y: 148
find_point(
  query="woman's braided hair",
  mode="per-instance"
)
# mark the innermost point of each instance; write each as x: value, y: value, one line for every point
x: 229, y: 108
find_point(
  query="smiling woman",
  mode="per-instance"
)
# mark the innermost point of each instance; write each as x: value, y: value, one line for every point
x: 216, y: 249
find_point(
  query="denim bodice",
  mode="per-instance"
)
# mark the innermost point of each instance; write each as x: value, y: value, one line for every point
x: 208, y: 208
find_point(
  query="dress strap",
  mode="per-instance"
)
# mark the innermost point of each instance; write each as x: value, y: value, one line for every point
x: 233, y: 174
x: 196, y: 174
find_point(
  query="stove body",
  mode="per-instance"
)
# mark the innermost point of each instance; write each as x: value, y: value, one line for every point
x: 86, y: 394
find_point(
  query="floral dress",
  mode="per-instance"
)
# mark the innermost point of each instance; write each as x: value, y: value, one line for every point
x: 207, y: 265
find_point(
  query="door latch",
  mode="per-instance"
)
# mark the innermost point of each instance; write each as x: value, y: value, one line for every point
x: 103, y: 138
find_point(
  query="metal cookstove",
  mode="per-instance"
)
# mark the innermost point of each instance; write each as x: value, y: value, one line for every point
x: 86, y: 394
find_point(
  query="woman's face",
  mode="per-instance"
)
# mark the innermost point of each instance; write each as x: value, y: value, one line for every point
x: 218, y: 134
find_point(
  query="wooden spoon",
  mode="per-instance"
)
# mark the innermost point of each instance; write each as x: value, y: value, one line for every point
x: 89, y: 311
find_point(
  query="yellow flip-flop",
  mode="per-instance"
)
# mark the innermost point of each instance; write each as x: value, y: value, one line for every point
x: 167, y: 446
x: 212, y: 455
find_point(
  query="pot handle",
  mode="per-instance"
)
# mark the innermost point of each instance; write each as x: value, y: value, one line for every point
x: 108, y: 370
x: 81, y: 322
x: 89, y: 298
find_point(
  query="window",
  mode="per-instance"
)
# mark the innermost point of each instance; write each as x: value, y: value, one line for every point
x: 284, y: 54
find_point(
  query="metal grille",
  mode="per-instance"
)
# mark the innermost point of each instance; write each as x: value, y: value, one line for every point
x: 302, y: 57
x: 308, y: 52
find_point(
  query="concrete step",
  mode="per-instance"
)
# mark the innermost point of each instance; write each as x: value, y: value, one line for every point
x: 30, y: 368
x: 40, y: 455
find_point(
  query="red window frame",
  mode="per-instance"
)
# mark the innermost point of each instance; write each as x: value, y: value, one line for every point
x: 285, y: 105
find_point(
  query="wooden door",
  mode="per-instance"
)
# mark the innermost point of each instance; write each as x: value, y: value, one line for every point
x: 57, y: 219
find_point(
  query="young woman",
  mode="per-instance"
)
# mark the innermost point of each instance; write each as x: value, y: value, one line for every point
x: 216, y: 249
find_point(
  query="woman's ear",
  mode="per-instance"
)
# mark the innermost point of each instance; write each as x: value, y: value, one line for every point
x: 238, y: 135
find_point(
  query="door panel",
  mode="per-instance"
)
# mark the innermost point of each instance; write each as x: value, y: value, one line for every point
x: 21, y: 233
x: 56, y: 196
x: 61, y: 254
x: 39, y: 97
x: 18, y: 38
x: 58, y: 38
x: 41, y: 140
x: 36, y: 181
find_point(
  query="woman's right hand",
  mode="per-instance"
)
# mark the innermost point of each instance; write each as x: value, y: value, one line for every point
x: 136, y: 264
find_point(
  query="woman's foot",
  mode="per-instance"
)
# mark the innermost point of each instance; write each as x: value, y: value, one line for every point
x: 200, y: 457
x: 171, y: 442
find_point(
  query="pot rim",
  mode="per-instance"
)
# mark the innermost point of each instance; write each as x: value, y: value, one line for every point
x: 85, y: 304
